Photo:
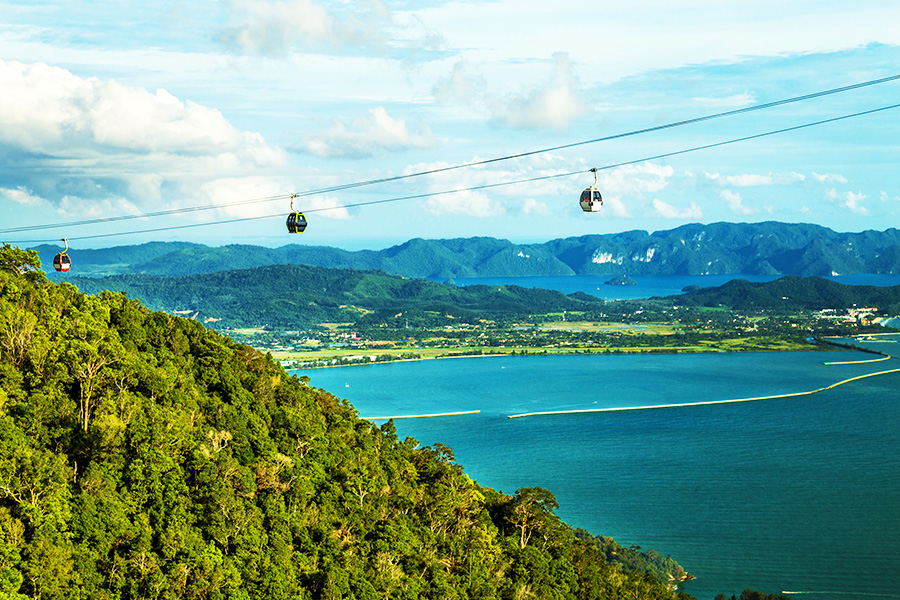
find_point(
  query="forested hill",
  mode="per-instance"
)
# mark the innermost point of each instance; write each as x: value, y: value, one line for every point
x: 768, y: 248
x: 793, y: 293
x: 300, y: 296
x: 144, y: 456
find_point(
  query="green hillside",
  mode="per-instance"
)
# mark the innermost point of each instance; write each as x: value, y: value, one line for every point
x: 792, y: 293
x: 299, y: 295
x: 144, y: 456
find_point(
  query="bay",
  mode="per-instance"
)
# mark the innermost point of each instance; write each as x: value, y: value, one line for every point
x: 648, y: 286
x: 797, y: 494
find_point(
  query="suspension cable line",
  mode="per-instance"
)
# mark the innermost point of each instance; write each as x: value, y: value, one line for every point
x: 494, y: 185
x: 357, y: 184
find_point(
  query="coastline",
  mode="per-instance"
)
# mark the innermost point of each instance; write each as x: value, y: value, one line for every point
x: 546, y: 351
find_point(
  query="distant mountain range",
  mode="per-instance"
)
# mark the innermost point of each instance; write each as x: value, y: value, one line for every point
x: 769, y: 248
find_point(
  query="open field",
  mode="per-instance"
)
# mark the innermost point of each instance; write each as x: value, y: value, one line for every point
x: 415, y: 353
x: 594, y: 327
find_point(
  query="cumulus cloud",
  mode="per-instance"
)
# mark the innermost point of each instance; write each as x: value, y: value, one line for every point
x: 22, y: 195
x: 67, y: 138
x: 553, y: 105
x: 469, y: 201
x: 534, y: 207
x: 375, y: 132
x: 852, y: 201
x: 275, y: 28
x: 462, y: 85
x: 755, y: 180
x: 829, y: 178
x: 96, y: 208
x: 735, y: 202
x: 472, y: 203
x: 733, y: 101
x: 667, y: 211
x: 272, y: 28
x: 50, y: 111
x: 636, y: 179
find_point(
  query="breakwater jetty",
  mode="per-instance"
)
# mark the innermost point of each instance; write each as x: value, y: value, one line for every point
x: 706, y: 403
x: 429, y: 416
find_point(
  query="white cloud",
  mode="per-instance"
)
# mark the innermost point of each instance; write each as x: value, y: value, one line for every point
x: 93, y: 209
x: 275, y: 28
x: 328, y: 207
x: 553, y: 105
x: 272, y: 28
x: 733, y: 101
x: 534, y: 207
x: 829, y: 178
x: 636, y: 179
x: 614, y: 204
x: 22, y: 195
x: 667, y: 211
x: 471, y: 203
x: 48, y: 110
x: 852, y: 201
x: 93, y: 147
x: 754, y: 180
x: 735, y: 202
x: 376, y: 132
x: 462, y: 85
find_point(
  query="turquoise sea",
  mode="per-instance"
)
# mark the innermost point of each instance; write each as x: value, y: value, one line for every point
x: 798, y: 494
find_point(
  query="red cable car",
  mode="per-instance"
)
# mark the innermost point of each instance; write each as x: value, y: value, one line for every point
x: 62, y: 262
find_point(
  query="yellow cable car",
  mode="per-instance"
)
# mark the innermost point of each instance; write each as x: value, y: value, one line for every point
x: 296, y: 221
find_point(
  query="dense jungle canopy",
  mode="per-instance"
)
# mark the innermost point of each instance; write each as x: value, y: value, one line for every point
x: 145, y: 456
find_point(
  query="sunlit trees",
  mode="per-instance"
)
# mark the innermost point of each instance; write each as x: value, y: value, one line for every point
x: 144, y: 456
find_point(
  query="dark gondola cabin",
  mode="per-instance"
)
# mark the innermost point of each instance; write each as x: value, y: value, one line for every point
x: 296, y: 222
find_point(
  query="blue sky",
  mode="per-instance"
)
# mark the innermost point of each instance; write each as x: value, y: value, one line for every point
x: 112, y: 108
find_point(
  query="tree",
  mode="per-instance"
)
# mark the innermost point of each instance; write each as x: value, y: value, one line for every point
x: 531, y: 509
x: 25, y: 263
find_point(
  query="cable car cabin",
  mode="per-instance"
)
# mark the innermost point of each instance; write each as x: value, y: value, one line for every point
x: 591, y: 201
x: 296, y: 222
x: 62, y: 262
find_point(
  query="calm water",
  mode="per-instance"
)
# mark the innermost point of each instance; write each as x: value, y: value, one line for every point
x: 648, y: 286
x: 792, y: 494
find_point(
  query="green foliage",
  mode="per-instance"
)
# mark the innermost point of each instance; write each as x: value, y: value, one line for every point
x: 21, y: 262
x: 144, y: 456
x: 294, y: 296
x: 792, y: 293
x: 664, y: 568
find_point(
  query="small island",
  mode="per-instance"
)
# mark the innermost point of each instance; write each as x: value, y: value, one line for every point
x: 621, y: 280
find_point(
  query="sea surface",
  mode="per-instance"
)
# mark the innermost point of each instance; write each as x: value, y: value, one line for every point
x: 648, y: 286
x: 793, y: 494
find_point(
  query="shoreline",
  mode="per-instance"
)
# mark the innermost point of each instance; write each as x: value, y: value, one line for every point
x: 574, y: 352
